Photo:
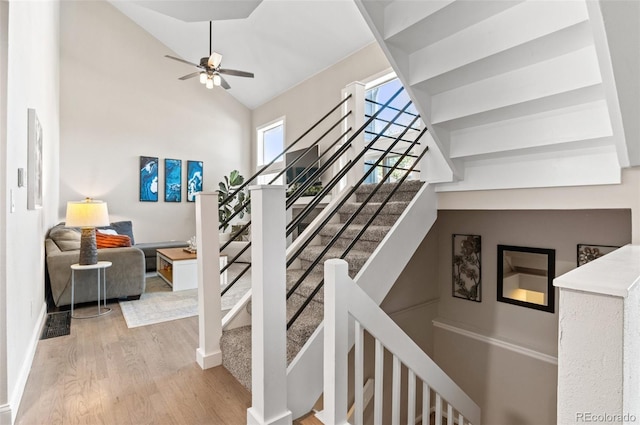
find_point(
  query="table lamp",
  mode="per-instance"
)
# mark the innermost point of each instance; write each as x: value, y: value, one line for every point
x: 87, y: 215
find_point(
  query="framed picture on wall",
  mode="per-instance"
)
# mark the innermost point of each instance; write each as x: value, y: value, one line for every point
x: 194, y: 179
x: 34, y: 161
x: 148, y: 179
x: 467, y: 267
x: 172, y: 180
x: 589, y: 252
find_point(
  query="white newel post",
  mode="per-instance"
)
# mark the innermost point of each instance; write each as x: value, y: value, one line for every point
x: 268, y: 317
x: 208, y: 353
x: 599, y: 341
x: 356, y: 119
x: 336, y: 342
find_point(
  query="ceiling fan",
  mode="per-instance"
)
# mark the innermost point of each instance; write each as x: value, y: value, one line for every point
x: 210, y: 71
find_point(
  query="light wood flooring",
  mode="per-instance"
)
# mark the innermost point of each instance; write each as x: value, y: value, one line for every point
x: 104, y: 373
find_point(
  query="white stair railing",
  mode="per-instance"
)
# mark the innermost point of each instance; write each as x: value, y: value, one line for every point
x: 348, y: 307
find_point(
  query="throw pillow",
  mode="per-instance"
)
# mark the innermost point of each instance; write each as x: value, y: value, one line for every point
x: 67, y: 238
x: 111, y: 241
x: 107, y: 231
x: 121, y: 228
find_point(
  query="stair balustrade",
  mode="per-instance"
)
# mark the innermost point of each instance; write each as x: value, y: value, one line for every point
x: 350, y: 311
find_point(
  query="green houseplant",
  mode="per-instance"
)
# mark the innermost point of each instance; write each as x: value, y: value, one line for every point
x: 237, y: 202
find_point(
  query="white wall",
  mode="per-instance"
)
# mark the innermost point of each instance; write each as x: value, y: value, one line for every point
x: 122, y: 99
x: 511, y: 387
x: 5, y: 409
x: 33, y: 75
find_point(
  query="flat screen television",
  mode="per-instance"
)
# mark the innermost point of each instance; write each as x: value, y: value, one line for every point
x: 309, y: 160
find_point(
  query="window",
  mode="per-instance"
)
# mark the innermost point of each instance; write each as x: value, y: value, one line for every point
x: 379, y: 93
x: 271, y: 143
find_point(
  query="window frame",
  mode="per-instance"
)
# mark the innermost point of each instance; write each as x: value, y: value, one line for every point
x: 260, y: 130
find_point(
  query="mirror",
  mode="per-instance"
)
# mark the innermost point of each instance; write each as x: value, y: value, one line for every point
x: 525, y: 277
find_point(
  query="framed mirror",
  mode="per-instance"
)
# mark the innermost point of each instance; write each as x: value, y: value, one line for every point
x: 525, y: 277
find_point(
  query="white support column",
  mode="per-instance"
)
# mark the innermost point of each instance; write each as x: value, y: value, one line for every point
x: 208, y: 353
x: 268, y: 317
x: 599, y: 340
x: 336, y: 342
x: 357, y: 107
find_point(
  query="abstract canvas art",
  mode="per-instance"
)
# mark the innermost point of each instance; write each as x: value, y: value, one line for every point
x: 172, y: 180
x: 467, y: 276
x: 194, y: 179
x: 148, y: 179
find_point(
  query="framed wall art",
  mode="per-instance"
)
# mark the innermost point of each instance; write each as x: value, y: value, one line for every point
x: 525, y: 277
x: 148, y: 179
x: 194, y: 179
x: 467, y: 267
x: 34, y: 161
x: 588, y: 252
x: 172, y: 180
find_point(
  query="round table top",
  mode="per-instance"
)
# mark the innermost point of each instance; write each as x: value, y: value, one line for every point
x: 98, y: 265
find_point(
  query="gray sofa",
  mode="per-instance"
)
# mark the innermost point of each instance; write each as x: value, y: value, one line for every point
x: 125, y: 278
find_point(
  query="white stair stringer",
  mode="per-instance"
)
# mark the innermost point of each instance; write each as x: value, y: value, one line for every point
x: 377, y: 277
x: 514, y: 91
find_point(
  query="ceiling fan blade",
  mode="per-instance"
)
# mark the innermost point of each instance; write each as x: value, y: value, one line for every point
x: 236, y: 73
x: 224, y: 83
x: 186, y: 77
x: 181, y: 60
x: 215, y: 60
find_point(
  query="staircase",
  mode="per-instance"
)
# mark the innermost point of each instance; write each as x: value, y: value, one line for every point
x: 516, y: 94
x: 236, y: 343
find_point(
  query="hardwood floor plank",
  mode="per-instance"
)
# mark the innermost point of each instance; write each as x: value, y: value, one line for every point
x: 105, y: 373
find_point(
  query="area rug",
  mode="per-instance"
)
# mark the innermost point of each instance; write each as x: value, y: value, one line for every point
x: 160, y: 304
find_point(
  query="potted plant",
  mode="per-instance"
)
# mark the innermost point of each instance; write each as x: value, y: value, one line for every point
x: 236, y: 203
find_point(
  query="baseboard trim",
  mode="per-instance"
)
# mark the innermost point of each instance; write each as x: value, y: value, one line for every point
x: 207, y: 361
x: 440, y: 323
x: 21, y: 383
x: 5, y: 414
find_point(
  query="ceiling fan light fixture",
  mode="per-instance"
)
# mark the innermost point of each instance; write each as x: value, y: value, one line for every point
x: 203, y: 77
x: 209, y: 83
x: 217, y: 80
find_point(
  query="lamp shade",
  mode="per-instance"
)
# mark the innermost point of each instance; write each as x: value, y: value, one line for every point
x: 87, y: 213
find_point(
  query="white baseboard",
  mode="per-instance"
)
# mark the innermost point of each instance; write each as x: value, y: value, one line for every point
x: 5, y: 414
x: 25, y: 368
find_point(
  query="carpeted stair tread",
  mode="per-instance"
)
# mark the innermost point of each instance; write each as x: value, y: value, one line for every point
x: 236, y: 353
x: 407, y: 186
x: 308, y: 284
x: 355, y: 258
x: 393, y: 208
x: 308, y: 320
x: 373, y: 233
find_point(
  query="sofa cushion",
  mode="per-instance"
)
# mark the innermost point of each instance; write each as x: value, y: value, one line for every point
x: 67, y: 238
x: 121, y: 228
x: 111, y: 241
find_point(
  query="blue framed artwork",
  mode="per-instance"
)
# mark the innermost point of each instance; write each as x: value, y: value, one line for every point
x: 172, y: 180
x: 148, y: 179
x: 194, y: 179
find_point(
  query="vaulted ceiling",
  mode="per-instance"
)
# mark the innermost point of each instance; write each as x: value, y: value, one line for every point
x: 283, y: 42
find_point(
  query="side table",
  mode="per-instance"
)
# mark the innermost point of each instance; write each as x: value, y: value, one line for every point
x: 101, y: 267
